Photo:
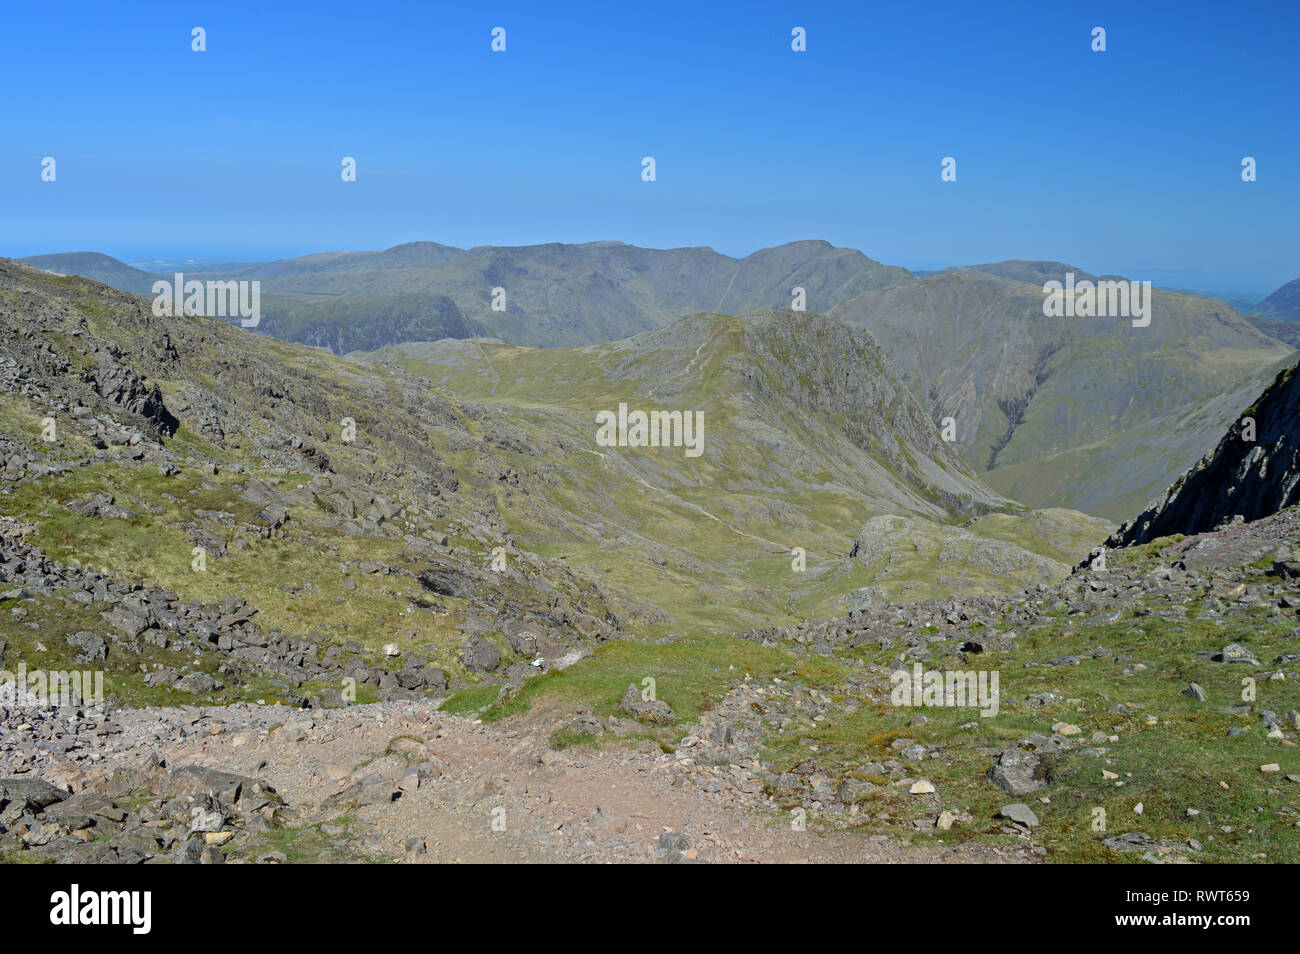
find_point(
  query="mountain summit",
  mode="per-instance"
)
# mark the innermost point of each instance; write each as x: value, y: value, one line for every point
x: 1283, y: 303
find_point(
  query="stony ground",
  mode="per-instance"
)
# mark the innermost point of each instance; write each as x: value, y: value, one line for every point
x: 1148, y: 712
x: 395, y: 782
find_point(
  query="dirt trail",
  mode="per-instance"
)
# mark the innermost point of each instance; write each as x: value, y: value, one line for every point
x: 501, y: 794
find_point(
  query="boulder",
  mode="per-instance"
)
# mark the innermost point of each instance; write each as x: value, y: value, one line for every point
x: 35, y: 793
x: 646, y: 710
x: 480, y: 654
x: 1021, y: 813
x: 1018, y: 771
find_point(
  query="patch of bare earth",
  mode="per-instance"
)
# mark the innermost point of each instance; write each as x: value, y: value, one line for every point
x: 428, y: 787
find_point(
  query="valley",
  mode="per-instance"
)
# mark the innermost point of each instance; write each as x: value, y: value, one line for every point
x: 1082, y: 413
x: 375, y: 606
x: 727, y: 434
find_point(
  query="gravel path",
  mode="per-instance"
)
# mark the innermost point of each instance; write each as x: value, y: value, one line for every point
x: 400, y: 781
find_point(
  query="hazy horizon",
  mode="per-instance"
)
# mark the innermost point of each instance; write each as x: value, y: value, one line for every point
x: 1124, y: 161
x: 1180, y: 279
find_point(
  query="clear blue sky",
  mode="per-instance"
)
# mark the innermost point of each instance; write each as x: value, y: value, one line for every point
x: 1125, y: 161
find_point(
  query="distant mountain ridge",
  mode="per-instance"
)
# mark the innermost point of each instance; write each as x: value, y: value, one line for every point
x: 1089, y: 413
x: 1085, y: 414
x: 554, y: 294
x: 97, y: 267
x: 1033, y: 272
x: 1283, y: 303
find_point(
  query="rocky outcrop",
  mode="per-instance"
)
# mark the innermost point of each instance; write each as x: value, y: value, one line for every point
x: 183, y: 816
x: 1254, y: 472
x: 121, y: 386
x: 218, y: 636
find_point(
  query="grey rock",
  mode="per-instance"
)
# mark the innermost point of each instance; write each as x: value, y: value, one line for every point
x: 866, y: 599
x: 586, y: 725
x: 227, y: 787
x: 672, y: 841
x: 1018, y: 771
x: 1019, y: 812
x: 1140, y: 841
x: 522, y: 642
x: 480, y: 654
x: 646, y: 710
x: 212, y: 855
x: 378, y: 792
x: 35, y: 793
x: 89, y: 647
x: 448, y: 581
x: 273, y: 516
x: 851, y: 791
x: 1235, y: 653
x: 198, y: 682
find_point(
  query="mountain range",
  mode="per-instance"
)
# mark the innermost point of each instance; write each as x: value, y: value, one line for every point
x: 1084, y: 414
x: 555, y: 295
x: 430, y: 530
x: 483, y: 446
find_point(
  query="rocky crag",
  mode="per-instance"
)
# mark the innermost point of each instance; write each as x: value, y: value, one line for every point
x: 1253, y: 472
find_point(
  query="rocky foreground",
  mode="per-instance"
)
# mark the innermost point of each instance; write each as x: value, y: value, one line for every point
x: 391, y: 782
x: 1155, y: 687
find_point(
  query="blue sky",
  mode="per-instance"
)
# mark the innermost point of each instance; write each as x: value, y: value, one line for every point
x: 1126, y: 161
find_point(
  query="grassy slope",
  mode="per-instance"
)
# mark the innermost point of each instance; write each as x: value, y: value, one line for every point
x: 1170, y: 755
x: 769, y: 481
x: 1086, y: 413
x: 672, y: 544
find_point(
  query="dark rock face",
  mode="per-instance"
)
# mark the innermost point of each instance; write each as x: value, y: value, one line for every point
x: 1241, y: 478
x: 123, y: 387
x: 447, y: 581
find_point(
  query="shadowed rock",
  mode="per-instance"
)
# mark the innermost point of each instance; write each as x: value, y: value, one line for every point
x: 1240, y: 479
